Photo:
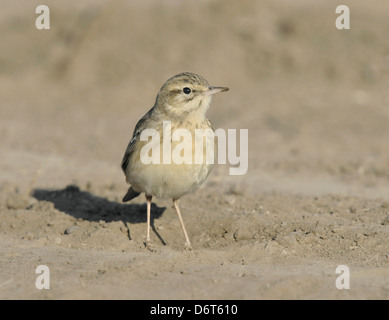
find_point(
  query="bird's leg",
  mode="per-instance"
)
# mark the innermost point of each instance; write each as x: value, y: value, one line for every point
x: 187, y: 242
x: 148, y: 199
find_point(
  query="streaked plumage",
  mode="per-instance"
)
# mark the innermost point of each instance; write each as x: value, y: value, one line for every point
x: 184, y: 110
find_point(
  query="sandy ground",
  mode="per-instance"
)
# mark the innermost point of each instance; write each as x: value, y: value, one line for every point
x: 314, y: 99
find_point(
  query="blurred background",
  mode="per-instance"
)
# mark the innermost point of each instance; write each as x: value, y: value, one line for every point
x: 314, y: 98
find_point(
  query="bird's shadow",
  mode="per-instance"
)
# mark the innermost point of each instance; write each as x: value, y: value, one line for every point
x: 83, y: 205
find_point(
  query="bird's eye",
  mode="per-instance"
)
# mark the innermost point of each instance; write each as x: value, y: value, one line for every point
x: 186, y: 90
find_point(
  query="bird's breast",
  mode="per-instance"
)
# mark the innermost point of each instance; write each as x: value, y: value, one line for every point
x: 177, y: 161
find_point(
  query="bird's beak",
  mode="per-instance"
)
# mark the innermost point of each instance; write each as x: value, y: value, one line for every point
x: 213, y: 90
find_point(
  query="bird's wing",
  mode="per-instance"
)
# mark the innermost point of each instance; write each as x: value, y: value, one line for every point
x: 137, y: 131
x: 128, y: 152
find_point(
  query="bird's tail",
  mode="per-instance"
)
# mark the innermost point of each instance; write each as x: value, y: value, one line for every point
x: 131, y: 194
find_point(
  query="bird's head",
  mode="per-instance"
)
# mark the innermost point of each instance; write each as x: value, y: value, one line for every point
x: 186, y: 93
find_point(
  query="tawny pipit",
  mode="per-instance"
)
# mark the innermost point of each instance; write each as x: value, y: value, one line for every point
x: 183, y: 101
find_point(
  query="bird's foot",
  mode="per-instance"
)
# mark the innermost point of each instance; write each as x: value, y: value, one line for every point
x: 149, y: 246
x: 188, y: 246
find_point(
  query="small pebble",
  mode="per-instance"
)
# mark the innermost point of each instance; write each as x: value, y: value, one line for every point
x: 70, y: 229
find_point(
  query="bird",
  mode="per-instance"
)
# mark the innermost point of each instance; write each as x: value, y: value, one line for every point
x: 182, y: 101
